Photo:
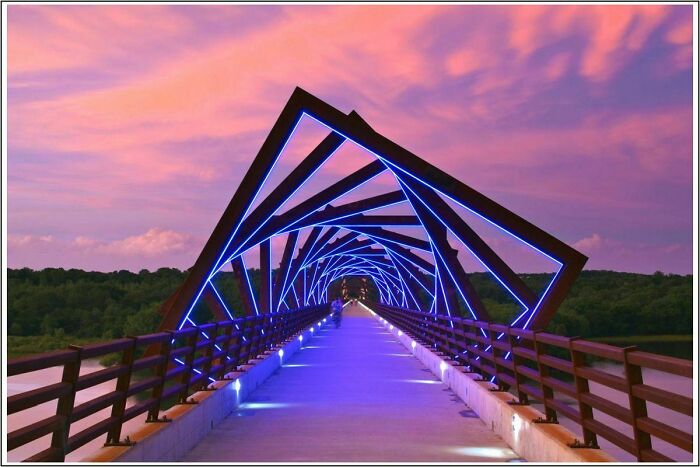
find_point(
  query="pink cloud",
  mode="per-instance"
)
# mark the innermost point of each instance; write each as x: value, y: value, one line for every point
x: 612, y: 31
x: 203, y: 94
x: 601, y: 137
x: 25, y: 240
x: 617, y: 30
x: 78, y: 36
x: 155, y: 242
x: 155, y: 248
x: 461, y: 86
x: 587, y: 244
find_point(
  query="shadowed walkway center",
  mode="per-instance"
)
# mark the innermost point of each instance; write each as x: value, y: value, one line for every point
x: 352, y: 394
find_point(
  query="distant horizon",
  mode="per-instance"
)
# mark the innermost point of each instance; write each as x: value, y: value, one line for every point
x: 274, y: 268
x: 130, y: 126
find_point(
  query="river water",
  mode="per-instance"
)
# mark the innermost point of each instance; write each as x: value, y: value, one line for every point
x: 37, y: 379
x: 673, y: 383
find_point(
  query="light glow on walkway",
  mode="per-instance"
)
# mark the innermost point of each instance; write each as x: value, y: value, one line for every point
x: 491, y: 453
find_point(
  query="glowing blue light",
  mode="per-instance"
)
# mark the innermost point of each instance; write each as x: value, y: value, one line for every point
x: 250, y: 288
x: 285, y: 228
x: 218, y: 263
x: 465, y: 244
x: 221, y: 300
x: 446, y: 195
x: 287, y: 199
x: 420, y: 381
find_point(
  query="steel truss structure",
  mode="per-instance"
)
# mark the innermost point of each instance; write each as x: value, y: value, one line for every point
x: 343, y: 240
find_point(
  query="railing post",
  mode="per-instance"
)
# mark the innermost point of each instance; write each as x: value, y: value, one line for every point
x: 237, y: 331
x: 522, y: 397
x: 638, y: 407
x: 161, y: 371
x: 64, y: 408
x: 543, y: 370
x: 209, y: 354
x: 481, y: 346
x: 495, y: 354
x: 469, y: 342
x: 585, y: 411
x: 123, y: 382
x: 189, y: 360
x: 225, y: 349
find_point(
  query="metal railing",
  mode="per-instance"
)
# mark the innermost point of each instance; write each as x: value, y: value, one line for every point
x: 544, y: 367
x: 187, y: 361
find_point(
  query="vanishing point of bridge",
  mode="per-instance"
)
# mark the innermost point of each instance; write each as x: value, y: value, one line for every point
x: 418, y: 372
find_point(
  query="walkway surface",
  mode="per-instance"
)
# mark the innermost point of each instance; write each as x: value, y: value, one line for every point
x: 352, y: 394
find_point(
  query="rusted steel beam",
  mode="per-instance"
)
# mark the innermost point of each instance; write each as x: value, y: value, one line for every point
x: 242, y: 281
x: 456, y: 276
x: 473, y: 241
x: 283, y: 271
x: 265, y: 302
x: 233, y: 214
x: 214, y: 304
x: 338, y: 213
x: 284, y: 221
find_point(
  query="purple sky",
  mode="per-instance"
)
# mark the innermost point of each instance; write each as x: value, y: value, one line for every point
x: 131, y: 126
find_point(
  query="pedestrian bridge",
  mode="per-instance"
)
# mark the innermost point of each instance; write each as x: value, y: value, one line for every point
x: 248, y: 370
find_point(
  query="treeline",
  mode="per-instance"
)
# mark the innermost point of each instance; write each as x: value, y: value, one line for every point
x: 92, y: 305
x: 605, y: 303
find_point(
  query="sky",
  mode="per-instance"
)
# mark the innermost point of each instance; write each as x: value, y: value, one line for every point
x: 130, y: 126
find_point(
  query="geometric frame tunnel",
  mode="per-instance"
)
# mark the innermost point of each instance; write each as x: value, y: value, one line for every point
x: 347, y: 239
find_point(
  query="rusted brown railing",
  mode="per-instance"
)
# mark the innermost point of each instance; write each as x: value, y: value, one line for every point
x: 187, y: 361
x: 539, y: 366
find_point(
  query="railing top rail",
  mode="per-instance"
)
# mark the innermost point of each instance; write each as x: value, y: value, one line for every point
x: 667, y: 364
x: 20, y: 365
x: 154, y: 338
x: 103, y: 348
x: 552, y: 339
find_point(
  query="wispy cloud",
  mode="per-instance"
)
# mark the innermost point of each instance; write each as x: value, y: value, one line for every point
x: 150, y: 249
x: 152, y: 113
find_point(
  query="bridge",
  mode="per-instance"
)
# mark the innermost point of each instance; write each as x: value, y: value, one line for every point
x: 245, y: 365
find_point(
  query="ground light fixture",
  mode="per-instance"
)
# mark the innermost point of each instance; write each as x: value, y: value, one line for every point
x: 443, y: 368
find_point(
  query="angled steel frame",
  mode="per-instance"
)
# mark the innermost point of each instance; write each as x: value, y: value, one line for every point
x: 345, y: 240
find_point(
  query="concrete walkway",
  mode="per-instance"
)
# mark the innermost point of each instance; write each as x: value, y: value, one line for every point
x: 352, y: 394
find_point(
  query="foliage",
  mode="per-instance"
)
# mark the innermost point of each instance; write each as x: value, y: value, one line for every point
x: 56, y: 303
x: 18, y: 346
